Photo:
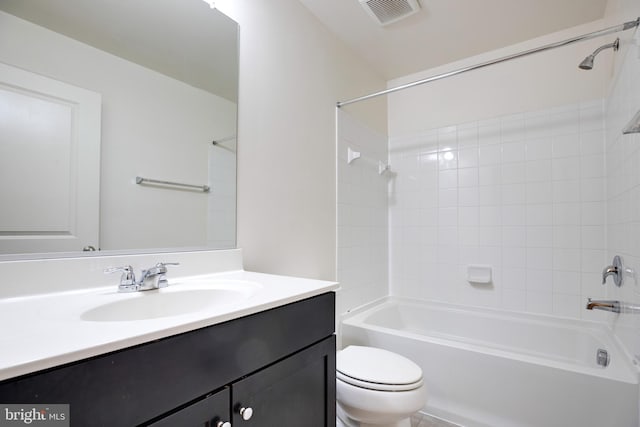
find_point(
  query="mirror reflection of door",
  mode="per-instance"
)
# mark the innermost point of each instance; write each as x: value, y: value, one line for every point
x: 50, y: 200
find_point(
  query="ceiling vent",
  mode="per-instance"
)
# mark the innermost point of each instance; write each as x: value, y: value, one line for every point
x: 385, y: 12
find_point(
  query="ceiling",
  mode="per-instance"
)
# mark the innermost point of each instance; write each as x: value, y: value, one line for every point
x: 448, y: 30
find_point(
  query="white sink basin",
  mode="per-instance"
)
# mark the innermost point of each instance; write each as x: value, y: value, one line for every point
x: 174, y: 300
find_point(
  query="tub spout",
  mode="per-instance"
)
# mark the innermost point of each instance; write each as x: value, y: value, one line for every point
x: 606, y: 305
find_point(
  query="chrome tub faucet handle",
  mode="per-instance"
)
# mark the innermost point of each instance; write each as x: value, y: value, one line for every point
x: 616, y: 270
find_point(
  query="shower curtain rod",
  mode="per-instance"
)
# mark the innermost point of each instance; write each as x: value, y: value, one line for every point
x: 610, y: 30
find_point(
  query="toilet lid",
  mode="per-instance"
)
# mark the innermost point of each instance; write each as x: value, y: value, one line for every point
x: 377, y: 369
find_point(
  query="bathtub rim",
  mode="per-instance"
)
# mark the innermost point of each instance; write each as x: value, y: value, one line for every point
x: 626, y: 371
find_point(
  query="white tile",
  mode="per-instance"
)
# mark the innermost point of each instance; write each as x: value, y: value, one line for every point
x: 490, y: 155
x: 540, y: 214
x: 468, y: 255
x: 592, y: 142
x: 489, y: 175
x: 566, y: 237
x: 448, y: 159
x: 448, y: 217
x: 593, y: 260
x: 539, y: 192
x: 539, y: 259
x: 468, y: 157
x: 448, y: 178
x: 447, y: 138
x: 489, y: 195
x: 566, y: 168
x: 592, y: 190
x: 513, y: 194
x: 468, y: 135
x: 567, y: 145
x: 448, y: 198
x: 539, y: 280
x: 566, y: 122
x: 512, y: 127
x: 513, y: 152
x: 566, y: 259
x: 567, y: 305
x: 490, y: 236
x: 514, y: 215
x: 592, y: 213
x: 538, y: 170
x: 539, y: 236
x: 514, y: 173
x: 566, y: 213
x: 490, y: 215
x: 538, y: 149
x: 513, y: 299
x: 591, y: 119
x: 593, y: 237
x: 468, y: 236
x: 488, y: 133
x: 447, y: 254
x: 468, y: 177
x: 515, y: 257
x: 514, y: 236
x: 566, y: 282
x: 468, y: 216
x: 448, y: 236
x: 490, y: 255
x: 537, y: 125
x: 539, y: 302
x: 468, y: 196
x: 566, y: 192
x: 513, y: 277
x: 592, y: 166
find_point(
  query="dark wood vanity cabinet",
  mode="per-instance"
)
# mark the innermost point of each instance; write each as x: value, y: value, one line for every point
x: 279, y: 365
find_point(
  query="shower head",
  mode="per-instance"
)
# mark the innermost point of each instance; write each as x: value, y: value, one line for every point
x: 587, y: 64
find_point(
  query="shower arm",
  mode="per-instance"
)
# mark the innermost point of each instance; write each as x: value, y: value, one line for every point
x: 610, y: 30
x: 614, y: 45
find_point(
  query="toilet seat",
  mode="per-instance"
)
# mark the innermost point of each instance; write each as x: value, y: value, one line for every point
x: 377, y: 369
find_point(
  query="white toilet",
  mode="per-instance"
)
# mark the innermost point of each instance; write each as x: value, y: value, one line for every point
x: 375, y: 387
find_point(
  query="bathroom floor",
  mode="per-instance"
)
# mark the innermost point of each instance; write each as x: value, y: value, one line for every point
x: 424, y: 420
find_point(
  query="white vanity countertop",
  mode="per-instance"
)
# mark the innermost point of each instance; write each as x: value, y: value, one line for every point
x: 46, y: 330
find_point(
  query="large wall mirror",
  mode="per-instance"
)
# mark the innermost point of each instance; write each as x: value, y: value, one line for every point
x: 118, y: 124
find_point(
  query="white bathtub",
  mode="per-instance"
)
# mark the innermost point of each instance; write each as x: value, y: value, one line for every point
x: 495, y: 368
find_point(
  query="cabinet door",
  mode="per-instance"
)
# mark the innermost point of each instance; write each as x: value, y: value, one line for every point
x: 297, y: 391
x: 212, y: 411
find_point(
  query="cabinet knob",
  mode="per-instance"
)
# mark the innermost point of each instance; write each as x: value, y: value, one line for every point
x: 223, y: 424
x: 246, y: 413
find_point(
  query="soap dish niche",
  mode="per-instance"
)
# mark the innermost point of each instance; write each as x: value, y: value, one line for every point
x: 479, y: 274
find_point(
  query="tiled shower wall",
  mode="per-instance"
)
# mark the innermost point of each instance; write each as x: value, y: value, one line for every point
x: 362, y: 215
x: 623, y: 194
x: 523, y: 193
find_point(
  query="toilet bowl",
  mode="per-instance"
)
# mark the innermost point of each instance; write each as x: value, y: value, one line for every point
x: 376, y: 387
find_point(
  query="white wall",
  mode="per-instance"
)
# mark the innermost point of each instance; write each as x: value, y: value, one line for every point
x: 144, y: 117
x: 535, y: 82
x: 522, y: 193
x: 623, y: 180
x: 503, y: 166
x: 292, y: 73
x: 362, y: 215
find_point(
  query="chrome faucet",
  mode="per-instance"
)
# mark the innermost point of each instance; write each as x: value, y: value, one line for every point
x: 606, y: 305
x: 151, y: 278
x: 616, y: 270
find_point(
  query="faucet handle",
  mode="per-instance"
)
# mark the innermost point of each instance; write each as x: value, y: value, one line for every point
x: 161, y: 267
x: 163, y: 264
x: 127, y: 277
x: 616, y: 270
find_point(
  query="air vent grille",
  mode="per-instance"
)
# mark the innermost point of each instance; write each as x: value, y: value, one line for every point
x: 387, y: 11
